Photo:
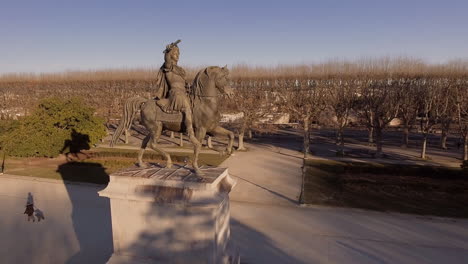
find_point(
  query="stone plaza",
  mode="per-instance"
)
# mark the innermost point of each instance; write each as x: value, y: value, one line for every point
x: 266, y: 226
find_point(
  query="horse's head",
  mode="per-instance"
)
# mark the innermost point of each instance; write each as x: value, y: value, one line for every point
x: 220, y: 75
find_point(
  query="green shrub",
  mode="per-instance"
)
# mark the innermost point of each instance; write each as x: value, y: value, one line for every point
x: 56, y: 126
x: 8, y: 125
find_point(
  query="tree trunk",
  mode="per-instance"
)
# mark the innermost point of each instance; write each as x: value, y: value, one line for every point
x: 250, y: 134
x: 181, y: 143
x: 337, y: 136
x: 443, y: 140
x: 444, y: 135
x: 108, y: 117
x: 378, y: 141
x: 126, y: 136
x: 405, y: 136
x: 241, y: 137
x: 424, y: 146
x: 241, y: 141
x: 371, y: 135
x: 306, y: 145
x: 465, y: 148
x: 304, y: 169
x: 370, y: 129
x: 2, y: 168
x: 172, y: 134
x: 341, y: 141
x: 209, y: 143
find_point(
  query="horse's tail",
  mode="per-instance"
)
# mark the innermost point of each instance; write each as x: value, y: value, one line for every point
x: 131, y: 107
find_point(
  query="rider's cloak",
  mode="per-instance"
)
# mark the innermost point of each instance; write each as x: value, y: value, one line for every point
x: 161, y: 84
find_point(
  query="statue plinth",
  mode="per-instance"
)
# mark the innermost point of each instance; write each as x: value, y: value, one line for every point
x: 162, y: 215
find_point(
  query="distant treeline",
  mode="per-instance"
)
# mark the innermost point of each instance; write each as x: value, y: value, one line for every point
x: 376, y: 90
x: 107, y: 89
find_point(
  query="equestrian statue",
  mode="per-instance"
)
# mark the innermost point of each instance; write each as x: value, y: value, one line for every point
x: 179, y: 107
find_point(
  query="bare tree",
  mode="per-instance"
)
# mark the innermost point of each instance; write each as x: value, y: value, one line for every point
x: 379, y: 102
x: 434, y: 101
x: 461, y: 95
x: 449, y: 113
x: 408, y: 107
x: 304, y: 100
x: 341, y: 99
x: 254, y: 100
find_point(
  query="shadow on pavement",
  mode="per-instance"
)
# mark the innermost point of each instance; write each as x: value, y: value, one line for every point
x: 255, y: 247
x: 252, y: 245
x: 277, y: 194
x: 92, y: 224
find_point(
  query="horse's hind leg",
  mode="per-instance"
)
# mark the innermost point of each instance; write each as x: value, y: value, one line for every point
x: 230, y: 134
x: 200, y: 134
x: 144, y: 143
x: 196, y: 152
x: 154, y: 146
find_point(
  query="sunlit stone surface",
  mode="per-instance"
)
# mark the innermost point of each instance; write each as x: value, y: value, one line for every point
x: 162, y: 215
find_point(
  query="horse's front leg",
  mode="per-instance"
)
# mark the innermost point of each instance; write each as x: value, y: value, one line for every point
x: 144, y: 143
x: 222, y: 131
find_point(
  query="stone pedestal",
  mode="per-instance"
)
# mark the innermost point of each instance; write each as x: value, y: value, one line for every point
x: 162, y: 215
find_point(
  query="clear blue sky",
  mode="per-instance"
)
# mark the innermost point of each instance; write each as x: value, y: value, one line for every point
x: 46, y: 36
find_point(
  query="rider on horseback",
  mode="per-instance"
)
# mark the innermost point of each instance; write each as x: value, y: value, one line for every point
x: 172, y: 86
x: 171, y: 96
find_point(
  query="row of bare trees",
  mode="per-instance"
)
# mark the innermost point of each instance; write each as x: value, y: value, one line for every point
x: 422, y: 96
x: 419, y: 102
x: 105, y: 96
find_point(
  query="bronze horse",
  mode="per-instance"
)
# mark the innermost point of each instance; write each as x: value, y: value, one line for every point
x: 204, y: 94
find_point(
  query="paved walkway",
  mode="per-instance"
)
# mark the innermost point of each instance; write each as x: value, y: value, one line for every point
x: 270, y: 227
x: 287, y: 234
x: 266, y: 175
x: 266, y: 224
